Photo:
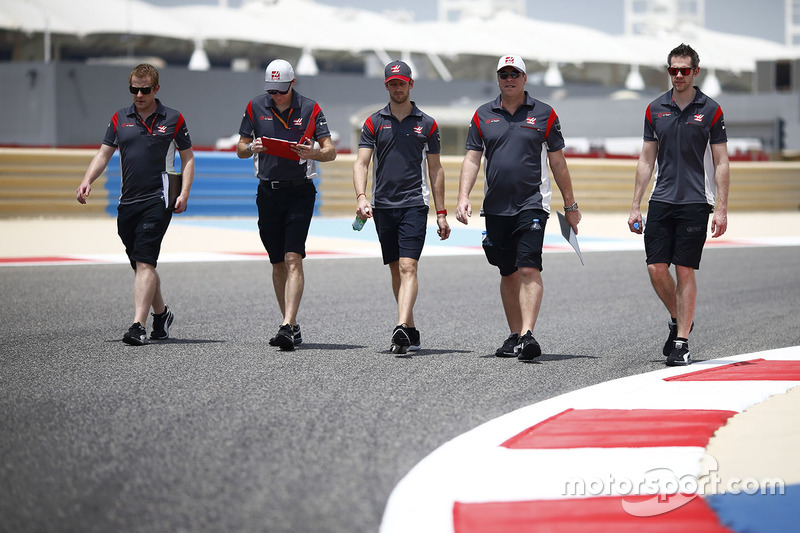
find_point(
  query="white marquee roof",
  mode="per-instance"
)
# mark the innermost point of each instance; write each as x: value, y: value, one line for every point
x: 306, y: 24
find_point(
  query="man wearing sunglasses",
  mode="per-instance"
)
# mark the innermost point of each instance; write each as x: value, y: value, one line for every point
x: 520, y: 140
x: 405, y: 143
x: 147, y: 134
x: 685, y: 140
x: 281, y: 129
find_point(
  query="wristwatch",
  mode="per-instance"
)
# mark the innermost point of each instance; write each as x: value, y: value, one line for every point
x: 573, y: 207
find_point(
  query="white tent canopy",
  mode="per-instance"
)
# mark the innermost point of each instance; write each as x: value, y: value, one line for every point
x: 357, y: 31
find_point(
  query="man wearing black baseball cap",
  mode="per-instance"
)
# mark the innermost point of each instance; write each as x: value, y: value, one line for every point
x: 403, y: 139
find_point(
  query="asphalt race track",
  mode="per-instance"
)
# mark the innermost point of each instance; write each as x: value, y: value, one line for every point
x: 214, y: 430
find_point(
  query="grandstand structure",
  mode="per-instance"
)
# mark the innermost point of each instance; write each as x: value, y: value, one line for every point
x: 55, y: 53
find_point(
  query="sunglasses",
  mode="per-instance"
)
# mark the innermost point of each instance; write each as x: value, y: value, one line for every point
x: 276, y: 91
x: 513, y: 74
x: 143, y: 90
x: 673, y: 71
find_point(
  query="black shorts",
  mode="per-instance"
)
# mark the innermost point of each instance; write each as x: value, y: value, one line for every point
x: 515, y: 241
x: 142, y: 226
x: 284, y: 216
x: 401, y: 231
x: 676, y: 234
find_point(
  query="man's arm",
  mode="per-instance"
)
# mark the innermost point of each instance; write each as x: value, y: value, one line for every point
x: 466, y: 181
x: 558, y: 164
x: 436, y: 173
x: 722, y: 175
x: 187, y: 177
x: 360, y: 169
x: 96, y: 167
x: 644, y: 172
x: 244, y: 148
x: 326, y: 151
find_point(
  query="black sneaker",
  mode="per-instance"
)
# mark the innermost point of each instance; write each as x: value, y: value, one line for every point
x: 413, y: 338
x: 528, y: 348
x: 161, y: 324
x: 508, y: 349
x: 401, y: 340
x: 673, y: 334
x: 679, y: 356
x: 298, y: 336
x: 136, y: 335
x: 285, y: 337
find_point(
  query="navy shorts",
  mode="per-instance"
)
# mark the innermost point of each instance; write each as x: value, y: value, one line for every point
x: 401, y: 231
x: 142, y: 226
x: 284, y: 216
x: 676, y: 234
x: 515, y: 241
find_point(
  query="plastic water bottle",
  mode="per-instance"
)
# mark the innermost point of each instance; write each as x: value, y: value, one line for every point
x: 536, y: 224
x: 358, y: 223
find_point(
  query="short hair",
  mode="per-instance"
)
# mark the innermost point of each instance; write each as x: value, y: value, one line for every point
x: 144, y: 70
x: 684, y: 50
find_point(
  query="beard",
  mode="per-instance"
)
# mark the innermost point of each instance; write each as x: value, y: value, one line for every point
x: 399, y: 98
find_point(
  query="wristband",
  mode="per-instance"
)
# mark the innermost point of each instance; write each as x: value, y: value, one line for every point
x: 573, y: 207
x: 442, y: 212
x: 360, y: 195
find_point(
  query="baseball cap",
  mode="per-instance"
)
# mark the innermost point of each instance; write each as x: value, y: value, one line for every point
x: 511, y: 61
x: 279, y: 75
x: 397, y: 70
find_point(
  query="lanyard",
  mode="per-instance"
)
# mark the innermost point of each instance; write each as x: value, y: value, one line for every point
x: 285, y: 125
x: 152, y: 124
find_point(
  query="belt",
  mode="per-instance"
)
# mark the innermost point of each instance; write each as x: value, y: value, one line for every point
x: 276, y: 184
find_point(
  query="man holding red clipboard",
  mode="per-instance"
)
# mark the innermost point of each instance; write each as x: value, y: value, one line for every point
x: 281, y: 129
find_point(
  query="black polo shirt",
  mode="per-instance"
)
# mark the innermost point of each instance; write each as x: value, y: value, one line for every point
x: 400, y: 172
x: 146, y: 149
x: 515, y: 164
x: 685, y: 169
x: 304, y: 117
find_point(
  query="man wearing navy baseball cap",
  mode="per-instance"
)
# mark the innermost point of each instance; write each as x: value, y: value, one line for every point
x: 281, y: 129
x: 510, y: 134
x: 403, y: 139
x: 398, y: 70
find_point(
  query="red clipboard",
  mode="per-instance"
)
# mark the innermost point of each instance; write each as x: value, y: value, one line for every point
x: 280, y: 148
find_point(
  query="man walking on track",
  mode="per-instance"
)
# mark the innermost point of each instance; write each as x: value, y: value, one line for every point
x: 686, y: 141
x: 147, y: 134
x: 280, y: 128
x: 519, y: 138
x: 403, y: 140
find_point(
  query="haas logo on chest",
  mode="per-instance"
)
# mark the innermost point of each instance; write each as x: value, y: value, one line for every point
x: 162, y: 129
x: 531, y: 121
